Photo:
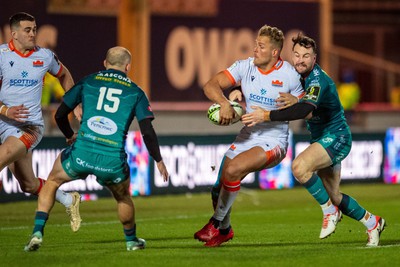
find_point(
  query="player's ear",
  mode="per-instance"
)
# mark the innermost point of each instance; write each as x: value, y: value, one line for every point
x: 14, y: 34
x: 105, y: 63
x: 128, y: 67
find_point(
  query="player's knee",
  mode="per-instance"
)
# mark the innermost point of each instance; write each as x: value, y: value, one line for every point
x: 298, y: 169
x: 232, y: 173
x: 31, y: 188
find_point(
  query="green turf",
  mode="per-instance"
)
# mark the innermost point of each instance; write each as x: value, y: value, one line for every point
x: 272, y: 228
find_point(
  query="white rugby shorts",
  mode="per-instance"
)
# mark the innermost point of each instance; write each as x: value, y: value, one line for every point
x: 30, y: 135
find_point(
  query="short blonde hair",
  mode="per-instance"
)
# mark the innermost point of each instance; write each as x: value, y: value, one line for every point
x: 275, y: 35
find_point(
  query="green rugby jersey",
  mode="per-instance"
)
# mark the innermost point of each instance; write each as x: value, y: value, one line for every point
x: 110, y: 101
x: 321, y: 92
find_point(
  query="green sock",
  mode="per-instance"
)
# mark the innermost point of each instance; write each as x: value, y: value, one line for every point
x: 350, y: 207
x: 40, y: 222
x: 130, y: 234
x: 316, y: 188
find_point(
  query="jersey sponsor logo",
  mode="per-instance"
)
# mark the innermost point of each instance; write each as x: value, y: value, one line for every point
x: 312, y: 93
x: 277, y: 83
x: 102, y: 125
x: 327, y: 140
x: 262, y: 99
x: 316, y: 72
x: 315, y: 82
x: 38, y: 63
x: 117, y: 180
x: 80, y: 162
x: 252, y: 78
x: 24, y: 82
x: 115, y: 75
x: 233, y: 147
x: 11, y: 63
x: 88, y: 165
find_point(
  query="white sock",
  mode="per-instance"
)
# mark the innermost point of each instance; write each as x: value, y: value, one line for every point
x: 225, y: 202
x: 226, y: 222
x: 370, y: 223
x: 64, y: 198
x: 328, y: 208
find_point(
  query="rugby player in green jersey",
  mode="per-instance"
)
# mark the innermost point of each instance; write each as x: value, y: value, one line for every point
x: 110, y: 101
x: 318, y: 167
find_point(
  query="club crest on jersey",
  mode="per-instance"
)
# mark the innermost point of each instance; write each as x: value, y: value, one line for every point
x: 277, y: 83
x: 38, y: 63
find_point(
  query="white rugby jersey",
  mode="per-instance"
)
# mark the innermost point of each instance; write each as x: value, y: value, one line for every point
x: 261, y: 89
x: 22, y: 78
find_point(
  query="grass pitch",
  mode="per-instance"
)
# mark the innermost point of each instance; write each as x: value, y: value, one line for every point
x: 276, y: 228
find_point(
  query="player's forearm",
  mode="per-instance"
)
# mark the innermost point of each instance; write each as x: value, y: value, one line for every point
x: 150, y: 139
x: 295, y: 112
x: 66, y: 79
x: 62, y: 121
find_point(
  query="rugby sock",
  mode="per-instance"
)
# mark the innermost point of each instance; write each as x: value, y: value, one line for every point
x: 225, y: 231
x: 40, y: 221
x: 130, y: 234
x: 226, y: 222
x: 369, y: 220
x: 328, y: 208
x: 350, y: 207
x: 227, y: 196
x: 215, y: 195
x: 64, y: 198
x: 217, y: 186
x: 316, y: 188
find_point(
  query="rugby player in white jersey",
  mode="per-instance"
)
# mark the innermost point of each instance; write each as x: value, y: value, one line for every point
x: 262, y: 78
x: 22, y: 69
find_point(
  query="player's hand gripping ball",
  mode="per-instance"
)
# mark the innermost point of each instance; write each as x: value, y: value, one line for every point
x: 213, y: 112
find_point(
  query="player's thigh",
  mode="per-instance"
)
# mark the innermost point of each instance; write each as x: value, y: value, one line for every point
x: 244, y: 163
x: 11, y: 150
x: 22, y: 169
x: 58, y: 174
x: 120, y: 191
x: 313, y: 158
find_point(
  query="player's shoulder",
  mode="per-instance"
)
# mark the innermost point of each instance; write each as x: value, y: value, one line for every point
x: 240, y: 62
x: 4, y: 48
x: 44, y: 51
x: 318, y: 75
x: 288, y: 69
x: 287, y: 66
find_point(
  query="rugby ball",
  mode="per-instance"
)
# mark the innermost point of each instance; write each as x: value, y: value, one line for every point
x: 213, y: 112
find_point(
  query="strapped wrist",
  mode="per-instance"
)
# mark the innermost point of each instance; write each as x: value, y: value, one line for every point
x: 266, y: 116
x: 1, y: 109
